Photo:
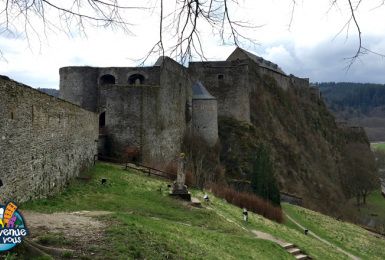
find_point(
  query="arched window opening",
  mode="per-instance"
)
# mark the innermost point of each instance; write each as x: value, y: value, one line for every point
x: 107, y: 79
x: 136, y: 79
x: 102, y: 120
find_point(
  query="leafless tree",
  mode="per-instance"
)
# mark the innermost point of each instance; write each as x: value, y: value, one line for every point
x: 38, y: 18
x: 202, y: 160
x: 185, y: 21
x: 353, y: 21
x: 361, y: 176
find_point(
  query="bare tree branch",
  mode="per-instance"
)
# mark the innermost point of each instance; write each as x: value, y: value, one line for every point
x: 292, y: 13
x: 186, y: 23
x: 359, y: 48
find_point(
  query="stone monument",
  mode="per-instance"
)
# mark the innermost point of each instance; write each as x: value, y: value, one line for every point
x: 179, y: 188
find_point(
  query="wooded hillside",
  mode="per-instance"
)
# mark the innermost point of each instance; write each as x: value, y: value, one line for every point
x: 361, y: 104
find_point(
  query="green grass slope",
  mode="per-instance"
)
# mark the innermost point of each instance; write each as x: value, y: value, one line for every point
x: 375, y: 205
x: 371, y: 214
x: 147, y: 224
x: 349, y: 237
x: 378, y: 146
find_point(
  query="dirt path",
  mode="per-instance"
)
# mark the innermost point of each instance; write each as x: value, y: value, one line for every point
x: 323, y: 240
x: 266, y: 236
x: 79, y: 231
x: 289, y: 247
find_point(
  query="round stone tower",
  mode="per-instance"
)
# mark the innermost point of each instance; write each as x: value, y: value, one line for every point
x: 78, y: 85
x: 204, y: 114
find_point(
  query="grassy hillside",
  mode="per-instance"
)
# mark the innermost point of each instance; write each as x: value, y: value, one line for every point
x: 378, y: 146
x: 372, y: 214
x: 145, y: 223
x: 349, y: 237
x: 148, y: 224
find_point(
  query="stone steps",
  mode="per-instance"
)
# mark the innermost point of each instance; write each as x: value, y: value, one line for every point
x: 294, y: 251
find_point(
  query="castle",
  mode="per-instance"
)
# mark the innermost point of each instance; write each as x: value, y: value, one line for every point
x: 149, y: 109
x: 47, y: 141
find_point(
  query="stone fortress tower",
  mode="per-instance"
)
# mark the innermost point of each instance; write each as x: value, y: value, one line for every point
x: 146, y: 111
x: 204, y: 114
x: 142, y: 110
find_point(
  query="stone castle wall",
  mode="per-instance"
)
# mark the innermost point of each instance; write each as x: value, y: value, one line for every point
x: 123, y: 108
x: 126, y: 108
x: 149, y: 115
x: 44, y: 141
x: 228, y: 82
x: 283, y: 81
x: 79, y: 84
x: 299, y: 82
x: 167, y: 122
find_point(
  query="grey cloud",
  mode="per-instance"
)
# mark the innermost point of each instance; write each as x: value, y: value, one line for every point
x: 328, y: 61
x: 34, y: 81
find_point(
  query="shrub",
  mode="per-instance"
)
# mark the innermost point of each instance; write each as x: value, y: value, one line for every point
x: 249, y: 201
x: 202, y: 160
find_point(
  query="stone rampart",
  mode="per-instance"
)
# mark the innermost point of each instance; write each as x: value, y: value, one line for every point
x: 283, y: 81
x: 44, y: 142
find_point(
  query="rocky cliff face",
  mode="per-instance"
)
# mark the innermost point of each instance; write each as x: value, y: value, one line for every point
x: 306, y: 144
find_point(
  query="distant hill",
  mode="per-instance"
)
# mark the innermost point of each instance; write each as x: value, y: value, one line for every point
x: 50, y: 91
x: 360, y: 104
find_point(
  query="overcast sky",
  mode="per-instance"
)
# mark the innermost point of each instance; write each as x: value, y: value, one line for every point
x: 309, y: 48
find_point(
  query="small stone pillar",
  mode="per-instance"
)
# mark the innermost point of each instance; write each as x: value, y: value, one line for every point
x: 179, y: 188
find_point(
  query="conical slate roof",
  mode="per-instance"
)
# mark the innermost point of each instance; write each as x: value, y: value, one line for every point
x: 200, y: 92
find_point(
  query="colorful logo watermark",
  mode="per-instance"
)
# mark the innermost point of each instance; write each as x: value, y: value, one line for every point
x: 12, y: 227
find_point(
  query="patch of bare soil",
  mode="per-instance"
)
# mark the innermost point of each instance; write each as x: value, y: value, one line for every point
x: 80, y: 232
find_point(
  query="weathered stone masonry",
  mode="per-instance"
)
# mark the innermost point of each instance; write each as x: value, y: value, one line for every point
x: 143, y: 108
x: 44, y: 142
x: 146, y: 111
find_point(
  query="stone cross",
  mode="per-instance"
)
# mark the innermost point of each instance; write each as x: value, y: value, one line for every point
x: 179, y: 188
